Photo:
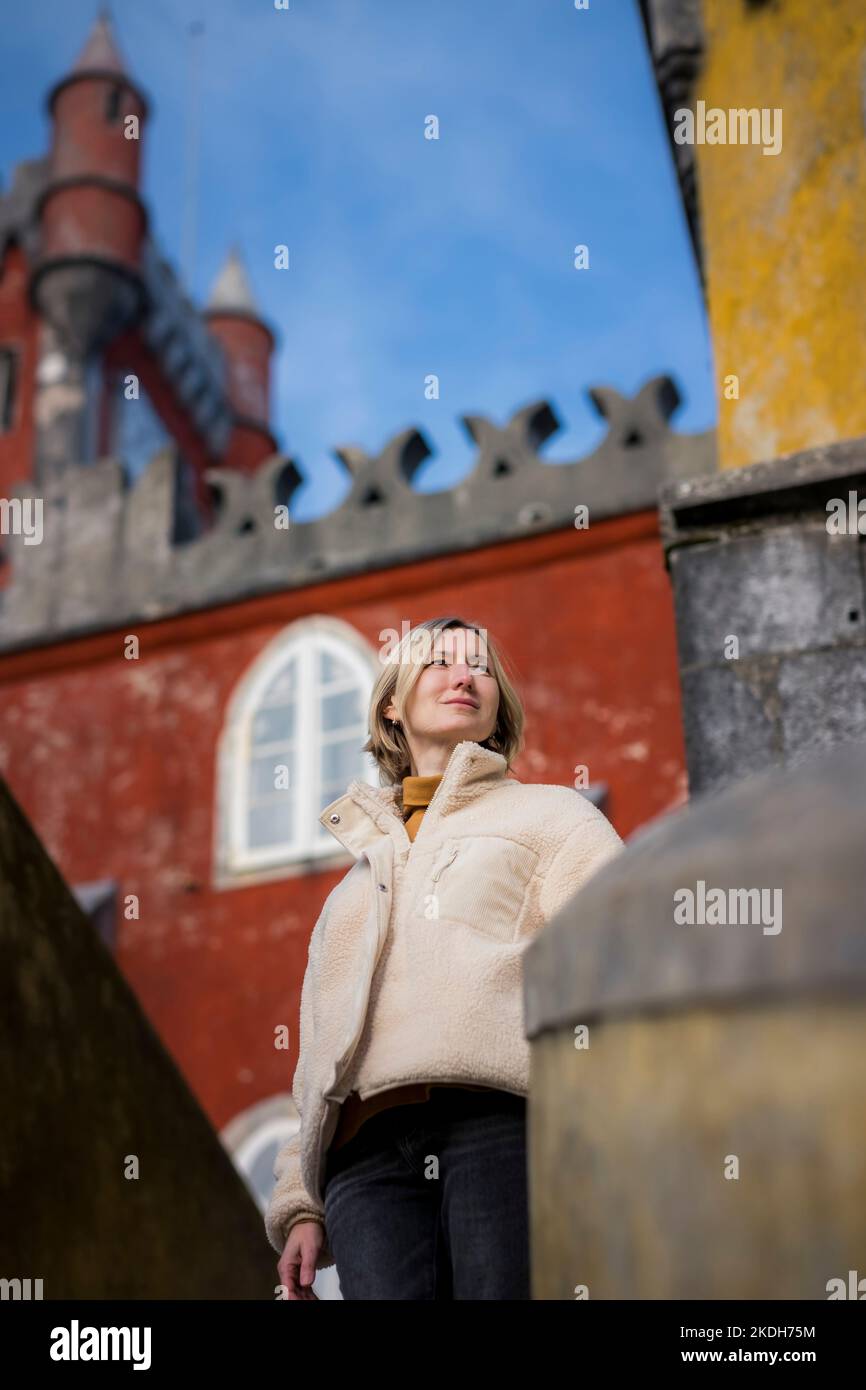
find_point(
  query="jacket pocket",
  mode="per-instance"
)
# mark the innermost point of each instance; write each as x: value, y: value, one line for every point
x: 480, y: 882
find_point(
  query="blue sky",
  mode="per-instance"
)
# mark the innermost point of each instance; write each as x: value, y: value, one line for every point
x: 409, y: 256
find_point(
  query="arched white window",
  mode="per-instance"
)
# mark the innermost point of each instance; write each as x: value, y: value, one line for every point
x: 291, y: 745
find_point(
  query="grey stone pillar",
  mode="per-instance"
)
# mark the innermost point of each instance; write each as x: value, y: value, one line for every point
x: 770, y: 609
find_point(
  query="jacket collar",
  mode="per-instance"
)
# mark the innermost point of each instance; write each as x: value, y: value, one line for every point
x: 366, y: 813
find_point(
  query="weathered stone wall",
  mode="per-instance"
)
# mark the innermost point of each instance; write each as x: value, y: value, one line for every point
x: 781, y: 232
x: 85, y: 1084
x: 698, y: 1088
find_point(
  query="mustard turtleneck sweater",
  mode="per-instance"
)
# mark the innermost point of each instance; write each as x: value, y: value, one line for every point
x: 417, y: 795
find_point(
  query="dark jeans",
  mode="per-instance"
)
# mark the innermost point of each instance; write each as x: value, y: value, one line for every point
x: 429, y: 1201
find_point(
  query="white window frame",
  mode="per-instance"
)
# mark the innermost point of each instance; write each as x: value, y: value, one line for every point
x: 303, y: 641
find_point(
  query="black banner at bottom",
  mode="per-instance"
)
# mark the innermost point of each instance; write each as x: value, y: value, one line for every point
x: 164, y: 1339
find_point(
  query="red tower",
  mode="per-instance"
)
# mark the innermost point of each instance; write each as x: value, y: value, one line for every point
x: 92, y: 217
x: 234, y: 320
x: 86, y: 283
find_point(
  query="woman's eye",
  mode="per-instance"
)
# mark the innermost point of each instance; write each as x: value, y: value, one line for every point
x: 473, y: 665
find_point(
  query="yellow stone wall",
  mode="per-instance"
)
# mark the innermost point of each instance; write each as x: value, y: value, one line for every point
x: 784, y: 236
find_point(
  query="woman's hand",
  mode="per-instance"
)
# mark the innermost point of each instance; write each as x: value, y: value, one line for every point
x: 297, y: 1264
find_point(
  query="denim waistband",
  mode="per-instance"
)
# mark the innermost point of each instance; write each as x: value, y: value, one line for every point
x: 444, y: 1101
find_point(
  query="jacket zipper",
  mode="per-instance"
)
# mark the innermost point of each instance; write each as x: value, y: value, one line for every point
x: 440, y: 868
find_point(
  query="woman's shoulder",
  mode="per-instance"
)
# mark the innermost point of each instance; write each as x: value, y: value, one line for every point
x: 563, y: 809
x: 551, y: 795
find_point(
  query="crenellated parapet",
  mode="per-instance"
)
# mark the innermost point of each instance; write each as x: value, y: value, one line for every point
x: 107, y: 555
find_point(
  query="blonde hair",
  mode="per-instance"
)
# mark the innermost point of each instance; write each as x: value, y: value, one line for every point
x: 403, y: 666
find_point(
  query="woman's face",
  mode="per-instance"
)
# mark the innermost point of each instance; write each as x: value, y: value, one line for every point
x: 455, y: 696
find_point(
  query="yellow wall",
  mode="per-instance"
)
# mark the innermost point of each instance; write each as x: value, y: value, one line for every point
x: 784, y: 235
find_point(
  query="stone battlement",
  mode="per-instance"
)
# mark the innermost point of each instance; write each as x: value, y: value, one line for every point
x: 108, y: 555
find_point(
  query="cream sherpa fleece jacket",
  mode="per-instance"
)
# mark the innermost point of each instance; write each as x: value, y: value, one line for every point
x: 414, y: 968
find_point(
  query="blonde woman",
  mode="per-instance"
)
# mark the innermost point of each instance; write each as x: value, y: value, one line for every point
x: 409, y: 1168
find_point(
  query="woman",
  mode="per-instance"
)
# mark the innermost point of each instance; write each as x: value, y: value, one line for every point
x: 409, y: 1168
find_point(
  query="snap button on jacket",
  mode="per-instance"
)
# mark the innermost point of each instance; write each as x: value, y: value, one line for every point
x: 414, y: 965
